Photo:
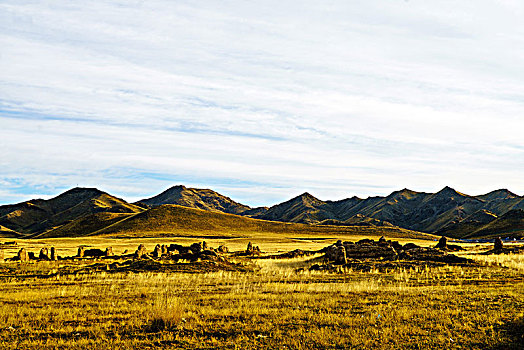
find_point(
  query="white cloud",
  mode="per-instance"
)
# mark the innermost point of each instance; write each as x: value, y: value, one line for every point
x: 333, y: 97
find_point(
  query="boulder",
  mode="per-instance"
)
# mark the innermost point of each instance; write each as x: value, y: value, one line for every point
x: 157, y: 253
x: 81, y: 252
x: 53, y: 255
x: 94, y: 253
x: 498, y: 244
x: 442, y: 243
x: 141, y: 252
x: 22, y: 255
x: 223, y: 249
x: 44, y: 254
x: 196, y: 248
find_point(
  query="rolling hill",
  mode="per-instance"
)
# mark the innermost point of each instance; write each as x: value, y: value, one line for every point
x: 169, y: 220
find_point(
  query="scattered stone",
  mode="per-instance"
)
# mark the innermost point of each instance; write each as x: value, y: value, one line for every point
x: 157, y: 253
x: 498, y: 244
x: 223, y: 249
x: 94, y: 253
x: 370, y: 251
x: 109, y: 251
x: 442, y: 243
x: 44, y: 254
x: 141, y: 252
x: 22, y: 255
x: 196, y: 248
x: 53, y: 256
x: 81, y: 252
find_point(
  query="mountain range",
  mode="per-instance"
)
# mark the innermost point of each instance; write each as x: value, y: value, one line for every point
x: 88, y: 211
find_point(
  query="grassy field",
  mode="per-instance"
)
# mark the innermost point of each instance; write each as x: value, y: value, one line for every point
x: 271, y: 305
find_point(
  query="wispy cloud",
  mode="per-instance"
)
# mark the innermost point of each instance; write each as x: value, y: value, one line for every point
x: 275, y: 98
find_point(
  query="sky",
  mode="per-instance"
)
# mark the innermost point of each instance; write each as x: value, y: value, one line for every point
x: 261, y: 100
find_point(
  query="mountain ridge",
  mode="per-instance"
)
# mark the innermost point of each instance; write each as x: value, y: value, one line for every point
x: 80, y: 211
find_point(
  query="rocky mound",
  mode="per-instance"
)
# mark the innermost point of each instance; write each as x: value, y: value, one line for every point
x: 367, y: 251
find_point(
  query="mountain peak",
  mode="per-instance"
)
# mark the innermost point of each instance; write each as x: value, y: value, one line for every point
x: 503, y: 193
x: 196, y: 198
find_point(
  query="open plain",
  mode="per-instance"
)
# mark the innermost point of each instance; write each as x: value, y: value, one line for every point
x: 257, y: 301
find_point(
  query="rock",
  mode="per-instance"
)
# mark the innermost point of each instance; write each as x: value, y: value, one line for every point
x: 208, y: 253
x: 109, y: 251
x: 382, y: 240
x: 81, y: 252
x: 442, y: 243
x: 22, y: 255
x: 44, y: 254
x: 94, y: 253
x: 157, y: 253
x: 337, y: 254
x: 409, y: 246
x: 249, y: 248
x: 53, y: 256
x: 140, y: 252
x: 498, y: 244
x: 223, y: 249
x: 196, y: 248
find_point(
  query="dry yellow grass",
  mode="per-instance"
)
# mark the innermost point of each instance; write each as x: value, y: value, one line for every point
x: 273, y: 307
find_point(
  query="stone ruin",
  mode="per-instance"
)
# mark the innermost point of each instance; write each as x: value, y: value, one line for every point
x: 140, y: 252
x: 343, y: 253
x: 443, y: 245
x: 22, y: 255
x: 53, y: 256
x: 252, y: 249
x: 498, y: 245
x: 193, y: 252
x: 499, y: 248
x: 81, y: 252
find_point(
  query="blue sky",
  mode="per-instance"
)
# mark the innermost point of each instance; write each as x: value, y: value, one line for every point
x: 262, y: 100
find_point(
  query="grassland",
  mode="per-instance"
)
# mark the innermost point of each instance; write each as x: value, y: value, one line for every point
x: 271, y: 305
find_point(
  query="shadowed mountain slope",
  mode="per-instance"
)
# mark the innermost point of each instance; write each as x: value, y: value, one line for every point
x: 86, y: 211
x: 169, y: 220
x: 511, y: 224
x: 37, y: 216
x: 444, y: 212
x: 196, y: 198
